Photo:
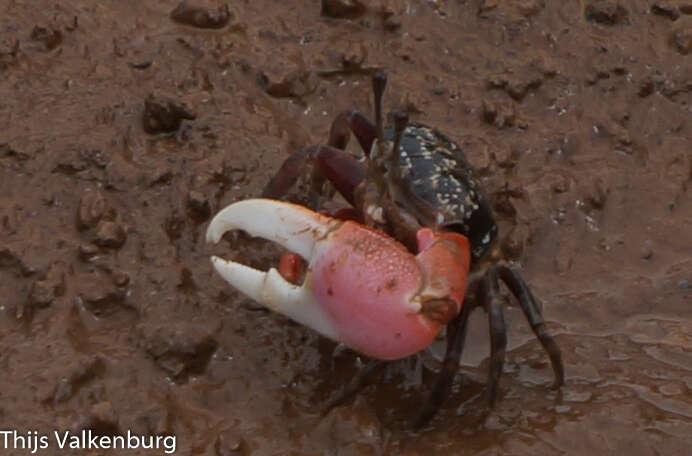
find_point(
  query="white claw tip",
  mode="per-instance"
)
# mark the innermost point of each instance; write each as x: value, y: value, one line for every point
x: 294, y: 227
x: 213, y: 235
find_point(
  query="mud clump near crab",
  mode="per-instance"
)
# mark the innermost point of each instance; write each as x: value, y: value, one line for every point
x: 416, y: 251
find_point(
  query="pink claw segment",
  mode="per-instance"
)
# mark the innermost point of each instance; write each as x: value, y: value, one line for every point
x: 372, y: 288
x: 425, y: 237
x: 445, y: 258
x: 364, y: 281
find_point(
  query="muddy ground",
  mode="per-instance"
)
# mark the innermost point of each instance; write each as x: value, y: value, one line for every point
x: 577, y: 114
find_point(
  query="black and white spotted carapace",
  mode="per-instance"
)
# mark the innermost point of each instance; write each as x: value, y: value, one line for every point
x: 436, y: 172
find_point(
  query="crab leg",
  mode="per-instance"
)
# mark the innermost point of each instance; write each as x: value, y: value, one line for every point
x: 342, y: 169
x: 352, y: 121
x: 331, y: 161
x: 338, y: 166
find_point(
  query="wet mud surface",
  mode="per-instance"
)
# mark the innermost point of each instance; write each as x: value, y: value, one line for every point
x: 124, y: 127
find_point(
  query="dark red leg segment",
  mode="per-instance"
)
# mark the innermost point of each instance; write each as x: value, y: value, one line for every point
x: 329, y: 159
x: 288, y: 174
x: 341, y: 169
x: 352, y: 121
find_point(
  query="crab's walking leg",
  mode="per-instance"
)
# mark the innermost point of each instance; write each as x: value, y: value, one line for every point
x: 342, y: 169
x: 498, y: 332
x: 339, y: 135
x: 338, y: 166
x: 352, y: 121
x: 287, y: 175
x: 533, y: 314
x: 362, y: 379
x: 456, y: 335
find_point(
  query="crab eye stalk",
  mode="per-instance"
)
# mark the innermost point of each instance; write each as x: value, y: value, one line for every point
x: 379, y: 83
x: 400, y: 122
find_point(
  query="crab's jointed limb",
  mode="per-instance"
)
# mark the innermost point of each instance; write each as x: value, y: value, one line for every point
x: 362, y: 288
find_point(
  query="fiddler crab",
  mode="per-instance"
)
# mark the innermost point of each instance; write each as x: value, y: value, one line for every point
x: 416, y: 251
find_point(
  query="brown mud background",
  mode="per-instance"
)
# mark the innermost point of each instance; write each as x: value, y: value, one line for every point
x: 577, y: 115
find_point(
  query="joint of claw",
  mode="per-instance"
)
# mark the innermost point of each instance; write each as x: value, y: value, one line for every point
x: 439, y: 310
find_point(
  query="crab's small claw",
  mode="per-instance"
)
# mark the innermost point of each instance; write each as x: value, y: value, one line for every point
x: 361, y: 288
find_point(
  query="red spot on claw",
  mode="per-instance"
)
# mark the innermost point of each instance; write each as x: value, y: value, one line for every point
x: 291, y: 267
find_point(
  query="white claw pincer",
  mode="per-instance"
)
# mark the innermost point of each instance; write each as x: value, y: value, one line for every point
x: 293, y: 227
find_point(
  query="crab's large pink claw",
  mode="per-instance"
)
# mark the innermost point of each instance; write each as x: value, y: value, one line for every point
x: 362, y: 288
